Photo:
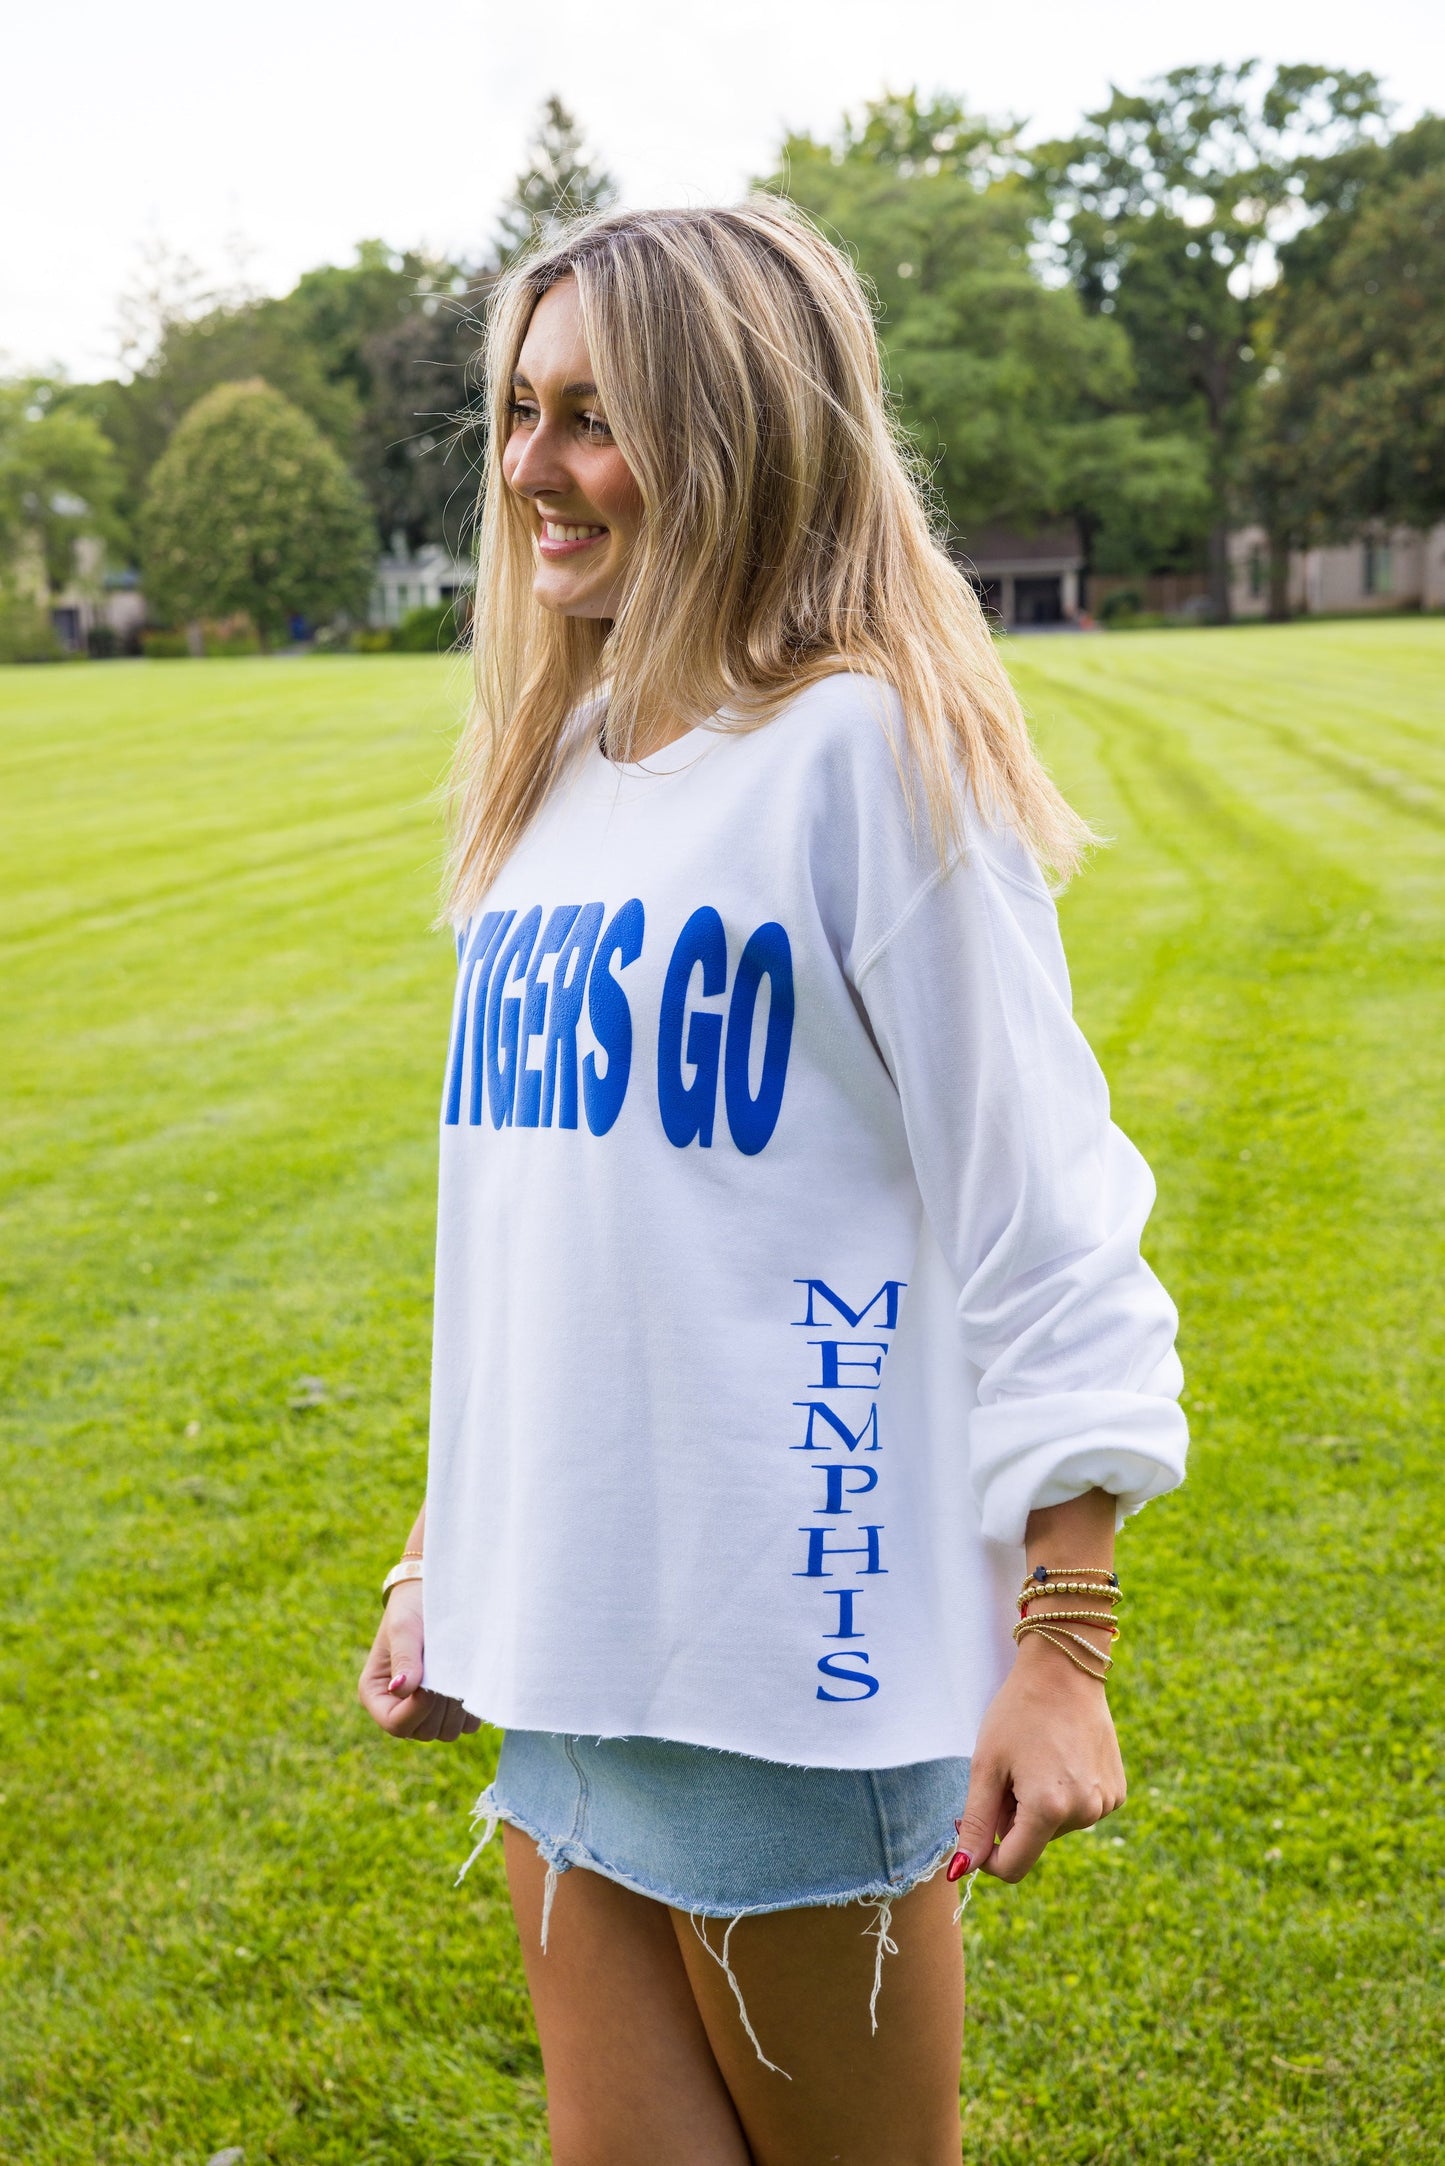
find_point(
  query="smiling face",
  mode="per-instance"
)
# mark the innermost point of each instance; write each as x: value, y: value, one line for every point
x: 561, y: 459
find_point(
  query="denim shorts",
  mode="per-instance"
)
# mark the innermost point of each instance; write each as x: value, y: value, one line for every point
x: 721, y: 1835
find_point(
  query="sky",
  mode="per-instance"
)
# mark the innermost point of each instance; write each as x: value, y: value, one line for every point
x: 263, y: 140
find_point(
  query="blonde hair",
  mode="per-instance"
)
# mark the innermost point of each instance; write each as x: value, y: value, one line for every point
x: 784, y: 535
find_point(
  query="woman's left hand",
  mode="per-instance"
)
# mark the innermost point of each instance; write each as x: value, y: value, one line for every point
x: 1046, y: 1761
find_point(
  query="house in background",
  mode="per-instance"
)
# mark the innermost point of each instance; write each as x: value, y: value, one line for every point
x: 97, y: 611
x: 1025, y: 579
x: 1396, y: 568
x: 407, y: 580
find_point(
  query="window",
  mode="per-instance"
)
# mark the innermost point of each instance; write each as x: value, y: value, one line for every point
x: 1379, y: 569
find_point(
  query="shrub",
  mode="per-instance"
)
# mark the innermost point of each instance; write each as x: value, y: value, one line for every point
x: 250, y: 510
x: 164, y: 646
x: 1123, y: 602
x: 426, y: 631
x: 26, y: 632
x: 375, y: 639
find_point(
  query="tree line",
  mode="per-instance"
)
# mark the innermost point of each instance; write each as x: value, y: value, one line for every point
x: 1220, y: 300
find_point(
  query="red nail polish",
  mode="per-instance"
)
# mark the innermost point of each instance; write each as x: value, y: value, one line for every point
x: 959, y: 1864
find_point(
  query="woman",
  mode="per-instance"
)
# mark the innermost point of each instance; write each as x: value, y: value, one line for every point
x: 789, y: 1296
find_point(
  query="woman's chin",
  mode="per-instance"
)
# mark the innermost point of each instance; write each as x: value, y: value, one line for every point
x: 569, y: 597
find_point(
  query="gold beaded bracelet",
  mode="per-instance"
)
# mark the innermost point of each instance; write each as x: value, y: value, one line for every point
x: 1057, y: 1639
x: 1066, y: 1587
x: 1076, y: 1616
x: 1032, y: 1588
x: 1044, y: 1572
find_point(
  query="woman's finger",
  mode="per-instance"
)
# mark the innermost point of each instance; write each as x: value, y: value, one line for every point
x: 985, y: 1814
x: 373, y: 1688
x: 420, y: 1720
x: 405, y: 1644
x: 1024, y: 1844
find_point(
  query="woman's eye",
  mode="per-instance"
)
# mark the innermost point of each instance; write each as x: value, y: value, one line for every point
x: 594, y: 425
x: 521, y: 410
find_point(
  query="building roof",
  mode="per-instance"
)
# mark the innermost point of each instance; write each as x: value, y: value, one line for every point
x: 1000, y: 549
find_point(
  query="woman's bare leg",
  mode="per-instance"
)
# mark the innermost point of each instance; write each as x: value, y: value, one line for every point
x: 630, y: 2074
x: 855, y: 2098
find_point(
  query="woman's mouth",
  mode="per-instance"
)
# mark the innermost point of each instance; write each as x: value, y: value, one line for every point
x: 564, y: 538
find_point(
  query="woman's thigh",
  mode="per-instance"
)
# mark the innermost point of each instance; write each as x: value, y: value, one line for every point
x: 630, y: 2074
x: 850, y: 2096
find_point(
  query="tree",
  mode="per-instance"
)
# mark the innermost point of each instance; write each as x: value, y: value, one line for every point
x: 250, y: 509
x: 1354, y: 420
x: 419, y: 445
x: 375, y: 351
x: 1293, y: 480
x: 1168, y: 208
x: 400, y: 332
x: 227, y: 345
x: 1016, y: 396
x: 58, y: 480
x: 560, y: 182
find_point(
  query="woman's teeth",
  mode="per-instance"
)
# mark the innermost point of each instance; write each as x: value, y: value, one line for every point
x: 556, y: 532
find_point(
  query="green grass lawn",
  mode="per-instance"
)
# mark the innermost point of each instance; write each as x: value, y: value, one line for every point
x: 227, y: 1914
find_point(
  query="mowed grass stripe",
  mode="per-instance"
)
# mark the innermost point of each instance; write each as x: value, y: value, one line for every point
x: 1271, y: 1588
x: 229, y: 1916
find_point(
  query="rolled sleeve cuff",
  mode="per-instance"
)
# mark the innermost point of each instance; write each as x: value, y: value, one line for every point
x: 1026, y: 1454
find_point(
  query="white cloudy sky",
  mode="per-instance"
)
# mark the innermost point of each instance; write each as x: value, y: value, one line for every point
x: 300, y: 125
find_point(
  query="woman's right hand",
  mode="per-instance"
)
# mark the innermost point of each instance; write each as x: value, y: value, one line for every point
x: 390, y: 1684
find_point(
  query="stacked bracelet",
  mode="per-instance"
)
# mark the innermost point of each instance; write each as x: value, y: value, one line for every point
x: 1060, y: 1640
x: 1095, y: 1581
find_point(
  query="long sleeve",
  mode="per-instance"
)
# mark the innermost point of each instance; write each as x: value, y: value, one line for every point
x: 1034, y: 1196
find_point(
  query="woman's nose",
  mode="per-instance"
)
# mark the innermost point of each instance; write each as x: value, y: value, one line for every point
x: 537, y: 470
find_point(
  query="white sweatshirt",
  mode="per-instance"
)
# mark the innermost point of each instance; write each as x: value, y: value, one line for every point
x: 787, y: 1259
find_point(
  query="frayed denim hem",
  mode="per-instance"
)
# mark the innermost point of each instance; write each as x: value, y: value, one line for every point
x: 560, y: 1857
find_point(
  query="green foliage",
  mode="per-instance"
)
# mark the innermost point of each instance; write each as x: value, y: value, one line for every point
x: 422, y: 433
x: 257, y: 339
x: 230, y: 644
x: 1122, y: 605
x: 402, y: 332
x: 160, y: 646
x: 1339, y: 185
x: 1352, y: 429
x: 917, y: 137
x: 58, y: 478
x: 1016, y: 396
x: 230, y: 1917
x: 26, y: 632
x: 339, y: 308
x: 427, y: 631
x: 1167, y: 206
x: 560, y: 181
x: 251, y: 510
x: 376, y: 352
